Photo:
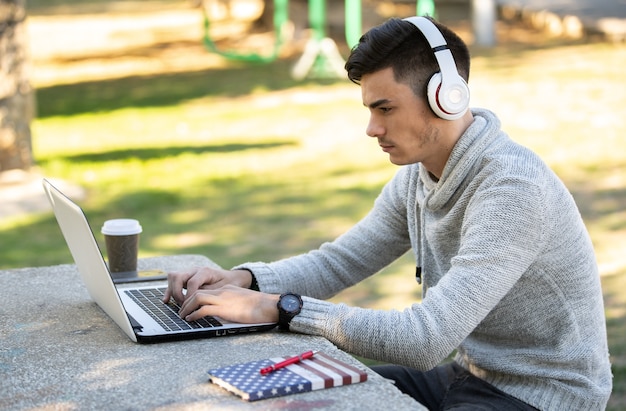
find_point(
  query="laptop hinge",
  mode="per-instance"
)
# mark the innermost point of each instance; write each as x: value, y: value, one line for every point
x: 136, y: 326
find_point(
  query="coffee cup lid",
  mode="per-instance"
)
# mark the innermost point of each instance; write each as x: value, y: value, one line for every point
x: 121, y: 226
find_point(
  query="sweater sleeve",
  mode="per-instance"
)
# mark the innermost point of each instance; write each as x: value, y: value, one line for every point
x: 373, y: 243
x: 493, y: 257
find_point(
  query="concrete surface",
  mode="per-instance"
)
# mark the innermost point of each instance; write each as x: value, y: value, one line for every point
x: 59, y: 351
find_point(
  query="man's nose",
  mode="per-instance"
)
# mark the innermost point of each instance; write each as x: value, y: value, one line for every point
x: 374, y: 129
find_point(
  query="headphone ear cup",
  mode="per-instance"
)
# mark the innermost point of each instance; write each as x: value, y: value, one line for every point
x: 447, y: 103
x: 432, y: 91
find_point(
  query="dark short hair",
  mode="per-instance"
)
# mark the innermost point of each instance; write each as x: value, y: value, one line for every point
x: 400, y: 45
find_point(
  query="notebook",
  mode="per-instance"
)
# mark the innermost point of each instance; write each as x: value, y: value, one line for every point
x: 316, y: 373
x: 137, y: 310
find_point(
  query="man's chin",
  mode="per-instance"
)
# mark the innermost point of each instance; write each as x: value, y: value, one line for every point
x: 398, y: 161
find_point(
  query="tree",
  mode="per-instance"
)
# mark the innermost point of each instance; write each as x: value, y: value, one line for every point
x: 17, y: 100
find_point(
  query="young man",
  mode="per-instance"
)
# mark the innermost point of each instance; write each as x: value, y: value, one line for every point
x: 508, y: 270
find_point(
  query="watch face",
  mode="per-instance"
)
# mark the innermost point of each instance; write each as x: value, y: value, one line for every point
x: 290, y: 303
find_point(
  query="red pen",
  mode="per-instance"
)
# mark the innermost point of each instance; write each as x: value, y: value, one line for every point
x: 288, y: 361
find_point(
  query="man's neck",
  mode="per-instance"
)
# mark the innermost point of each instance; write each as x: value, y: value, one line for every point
x: 453, y: 130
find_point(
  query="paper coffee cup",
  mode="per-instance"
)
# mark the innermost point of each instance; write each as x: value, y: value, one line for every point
x: 122, y: 243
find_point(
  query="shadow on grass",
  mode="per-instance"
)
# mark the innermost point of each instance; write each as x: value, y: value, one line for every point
x: 168, y: 89
x: 615, y: 303
x: 230, y: 220
x: 165, y: 89
x: 165, y: 152
x: 602, y: 207
x: 596, y: 202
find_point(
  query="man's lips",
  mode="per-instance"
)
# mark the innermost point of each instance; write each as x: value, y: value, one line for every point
x: 385, y: 146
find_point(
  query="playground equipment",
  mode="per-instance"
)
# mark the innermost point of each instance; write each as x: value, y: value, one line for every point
x: 321, y: 57
x: 280, y: 21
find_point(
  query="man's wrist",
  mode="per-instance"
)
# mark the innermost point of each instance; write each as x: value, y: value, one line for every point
x: 254, y: 285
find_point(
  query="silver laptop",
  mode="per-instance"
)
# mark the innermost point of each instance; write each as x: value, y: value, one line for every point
x: 137, y: 310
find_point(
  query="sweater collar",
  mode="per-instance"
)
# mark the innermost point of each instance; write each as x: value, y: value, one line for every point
x: 471, y: 146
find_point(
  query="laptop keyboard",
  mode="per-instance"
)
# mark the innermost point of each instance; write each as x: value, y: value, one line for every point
x: 151, y: 300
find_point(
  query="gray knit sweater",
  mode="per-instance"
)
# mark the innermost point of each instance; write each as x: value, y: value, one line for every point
x: 510, y: 277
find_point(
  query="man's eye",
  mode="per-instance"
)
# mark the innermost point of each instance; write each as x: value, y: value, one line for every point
x: 385, y: 109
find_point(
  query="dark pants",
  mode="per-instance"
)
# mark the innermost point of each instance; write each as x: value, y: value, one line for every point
x: 450, y: 387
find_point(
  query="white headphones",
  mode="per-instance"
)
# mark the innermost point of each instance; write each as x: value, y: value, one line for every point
x: 448, y: 94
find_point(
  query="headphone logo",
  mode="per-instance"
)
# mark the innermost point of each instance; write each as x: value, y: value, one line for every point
x: 448, y: 93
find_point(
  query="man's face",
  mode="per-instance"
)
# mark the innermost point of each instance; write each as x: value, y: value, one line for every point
x: 404, y: 125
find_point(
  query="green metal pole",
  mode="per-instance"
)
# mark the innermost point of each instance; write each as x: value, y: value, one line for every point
x: 426, y: 8
x: 281, y: 15
x: 353, y: 22
x: 317, y: 18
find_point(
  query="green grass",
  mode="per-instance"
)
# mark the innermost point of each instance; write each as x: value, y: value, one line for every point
x: 202, y: 173
x: 241, y: 163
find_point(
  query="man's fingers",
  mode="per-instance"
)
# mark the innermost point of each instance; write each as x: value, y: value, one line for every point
x: 195, y: 283
x: 176, y: 282
x: 198, y: 314
x: 195, y: 303
x: 167, y: 295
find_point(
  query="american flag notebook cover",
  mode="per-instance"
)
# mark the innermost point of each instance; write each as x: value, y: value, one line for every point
x: 316, y: 373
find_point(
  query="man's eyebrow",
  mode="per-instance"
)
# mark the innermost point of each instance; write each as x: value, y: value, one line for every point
x: 378, y: 103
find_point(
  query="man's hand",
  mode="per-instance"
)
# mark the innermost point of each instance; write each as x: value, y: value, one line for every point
x: 203, y: 278
x: 232, y: 304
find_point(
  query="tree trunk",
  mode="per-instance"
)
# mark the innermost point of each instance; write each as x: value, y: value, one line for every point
x: 17, y: 101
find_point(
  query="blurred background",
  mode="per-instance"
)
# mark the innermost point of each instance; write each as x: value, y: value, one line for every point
x: 228, y: 128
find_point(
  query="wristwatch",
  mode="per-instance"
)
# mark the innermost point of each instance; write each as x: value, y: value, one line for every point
x: 289, y: 305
